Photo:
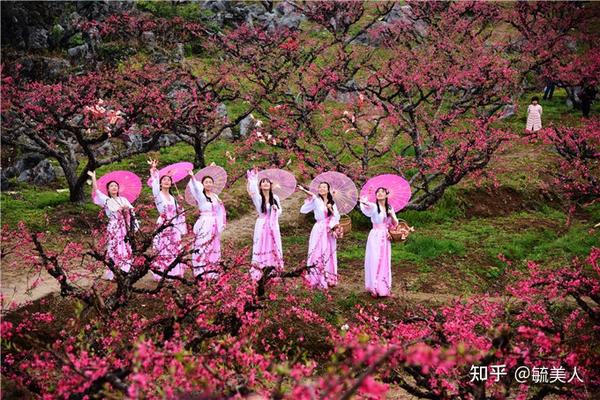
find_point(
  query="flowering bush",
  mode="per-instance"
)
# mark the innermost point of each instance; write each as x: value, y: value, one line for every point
x: 232, y: 337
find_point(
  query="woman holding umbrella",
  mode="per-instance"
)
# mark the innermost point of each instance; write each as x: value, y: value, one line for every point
x: 266, y: 245
x: 210, y: 224
x: 120, y: 215
x: 171, y: 221
x: 322, y: 253
x: 379, y: 203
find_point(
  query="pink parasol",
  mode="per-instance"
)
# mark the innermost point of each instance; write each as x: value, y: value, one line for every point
x: 342, y: 189
x: 398, y: 187
x: 219, y: 176
x: 284, y: 182
x: 130, y: 185
x: 176, y: 171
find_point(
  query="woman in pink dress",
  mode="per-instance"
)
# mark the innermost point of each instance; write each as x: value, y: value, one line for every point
x: 167, y: 243
x: 322, y: 253
x: 534, y: 116
x: 378, y: 257
x: 120, y: 217
x: 266, y: 245
x: 208, y: 228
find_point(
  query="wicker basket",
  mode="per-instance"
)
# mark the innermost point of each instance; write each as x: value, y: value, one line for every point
x: 401, y: 231
x: 345, y: 224
x: 343, y: 227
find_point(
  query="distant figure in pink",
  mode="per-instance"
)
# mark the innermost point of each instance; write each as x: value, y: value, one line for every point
x: 208, y: 228
x: 120, y: 216
x: 168, y: 242
x: 322, y: 253
x: 534, y: 116
x: 266, y: 245
x: 378, y: 257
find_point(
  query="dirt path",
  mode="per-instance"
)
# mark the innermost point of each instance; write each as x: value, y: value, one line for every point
x: 242, y: 229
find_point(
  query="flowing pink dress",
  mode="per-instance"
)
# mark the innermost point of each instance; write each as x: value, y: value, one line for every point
x: 266, y: 245
x: 322, y: 253
x: 117, y: 249
x: 207, y: 229
x: 167, y: 243
x: 378, y: 257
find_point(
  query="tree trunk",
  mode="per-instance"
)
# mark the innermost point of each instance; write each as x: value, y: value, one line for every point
x: 199, y: 161
x: 76, y: 194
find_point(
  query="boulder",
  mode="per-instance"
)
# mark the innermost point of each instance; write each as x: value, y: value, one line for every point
x: 43, y: 173
x: 149, y: 39
x: 38, y: 39
x: 80, y: 53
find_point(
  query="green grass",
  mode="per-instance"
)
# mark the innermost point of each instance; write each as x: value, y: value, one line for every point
x: 449, y: 208
x: 166, y: 9
x: 34, y: 206
x: 419, y: 249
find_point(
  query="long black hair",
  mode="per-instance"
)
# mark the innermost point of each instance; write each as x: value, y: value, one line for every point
x: 388, y: 208
x: 272, y: 201
x: 171, y: 193
x: 160, y: 183
x: 204, y: 190
x: 118, y: 187
x: 329, y: 198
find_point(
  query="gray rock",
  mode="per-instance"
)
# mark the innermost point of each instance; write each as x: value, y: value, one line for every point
x: 402, y: 15
x: 26, y: 162
x: 24, y: 176
x: 227, y: 134
x: 135, y: 141
x: 105, y: 150
x: 43, y: 68
x: 508, y: 111
x: 149, y: 39
x: 81, y: 52
x: 168, y: 139
x: 70, y: 21
x: 247, y: 125
x: 56, y: 68
x: 215, y: 5
x: 179, y: 53
x: 222, y: 114
x: 38, y: 39
x: 43, y: 173
x: 160, y: 58
x: 31, y: 167
x: 222, y: 110
x: 4, y: 183
x: 92, y: 38
x: 285, y: 7
x: 291, y: 21
x: 101, y: 9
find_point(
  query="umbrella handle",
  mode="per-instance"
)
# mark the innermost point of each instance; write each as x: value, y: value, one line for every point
x: 176, y: 189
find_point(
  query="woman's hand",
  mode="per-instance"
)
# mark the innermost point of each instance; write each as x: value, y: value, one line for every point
x: 92, y: 174
x: 153, y: 164
x: 389, y: 237
x: 191, y: 174
x: 308, y: 193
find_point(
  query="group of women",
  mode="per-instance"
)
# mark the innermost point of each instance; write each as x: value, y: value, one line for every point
x: 266, y: 250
